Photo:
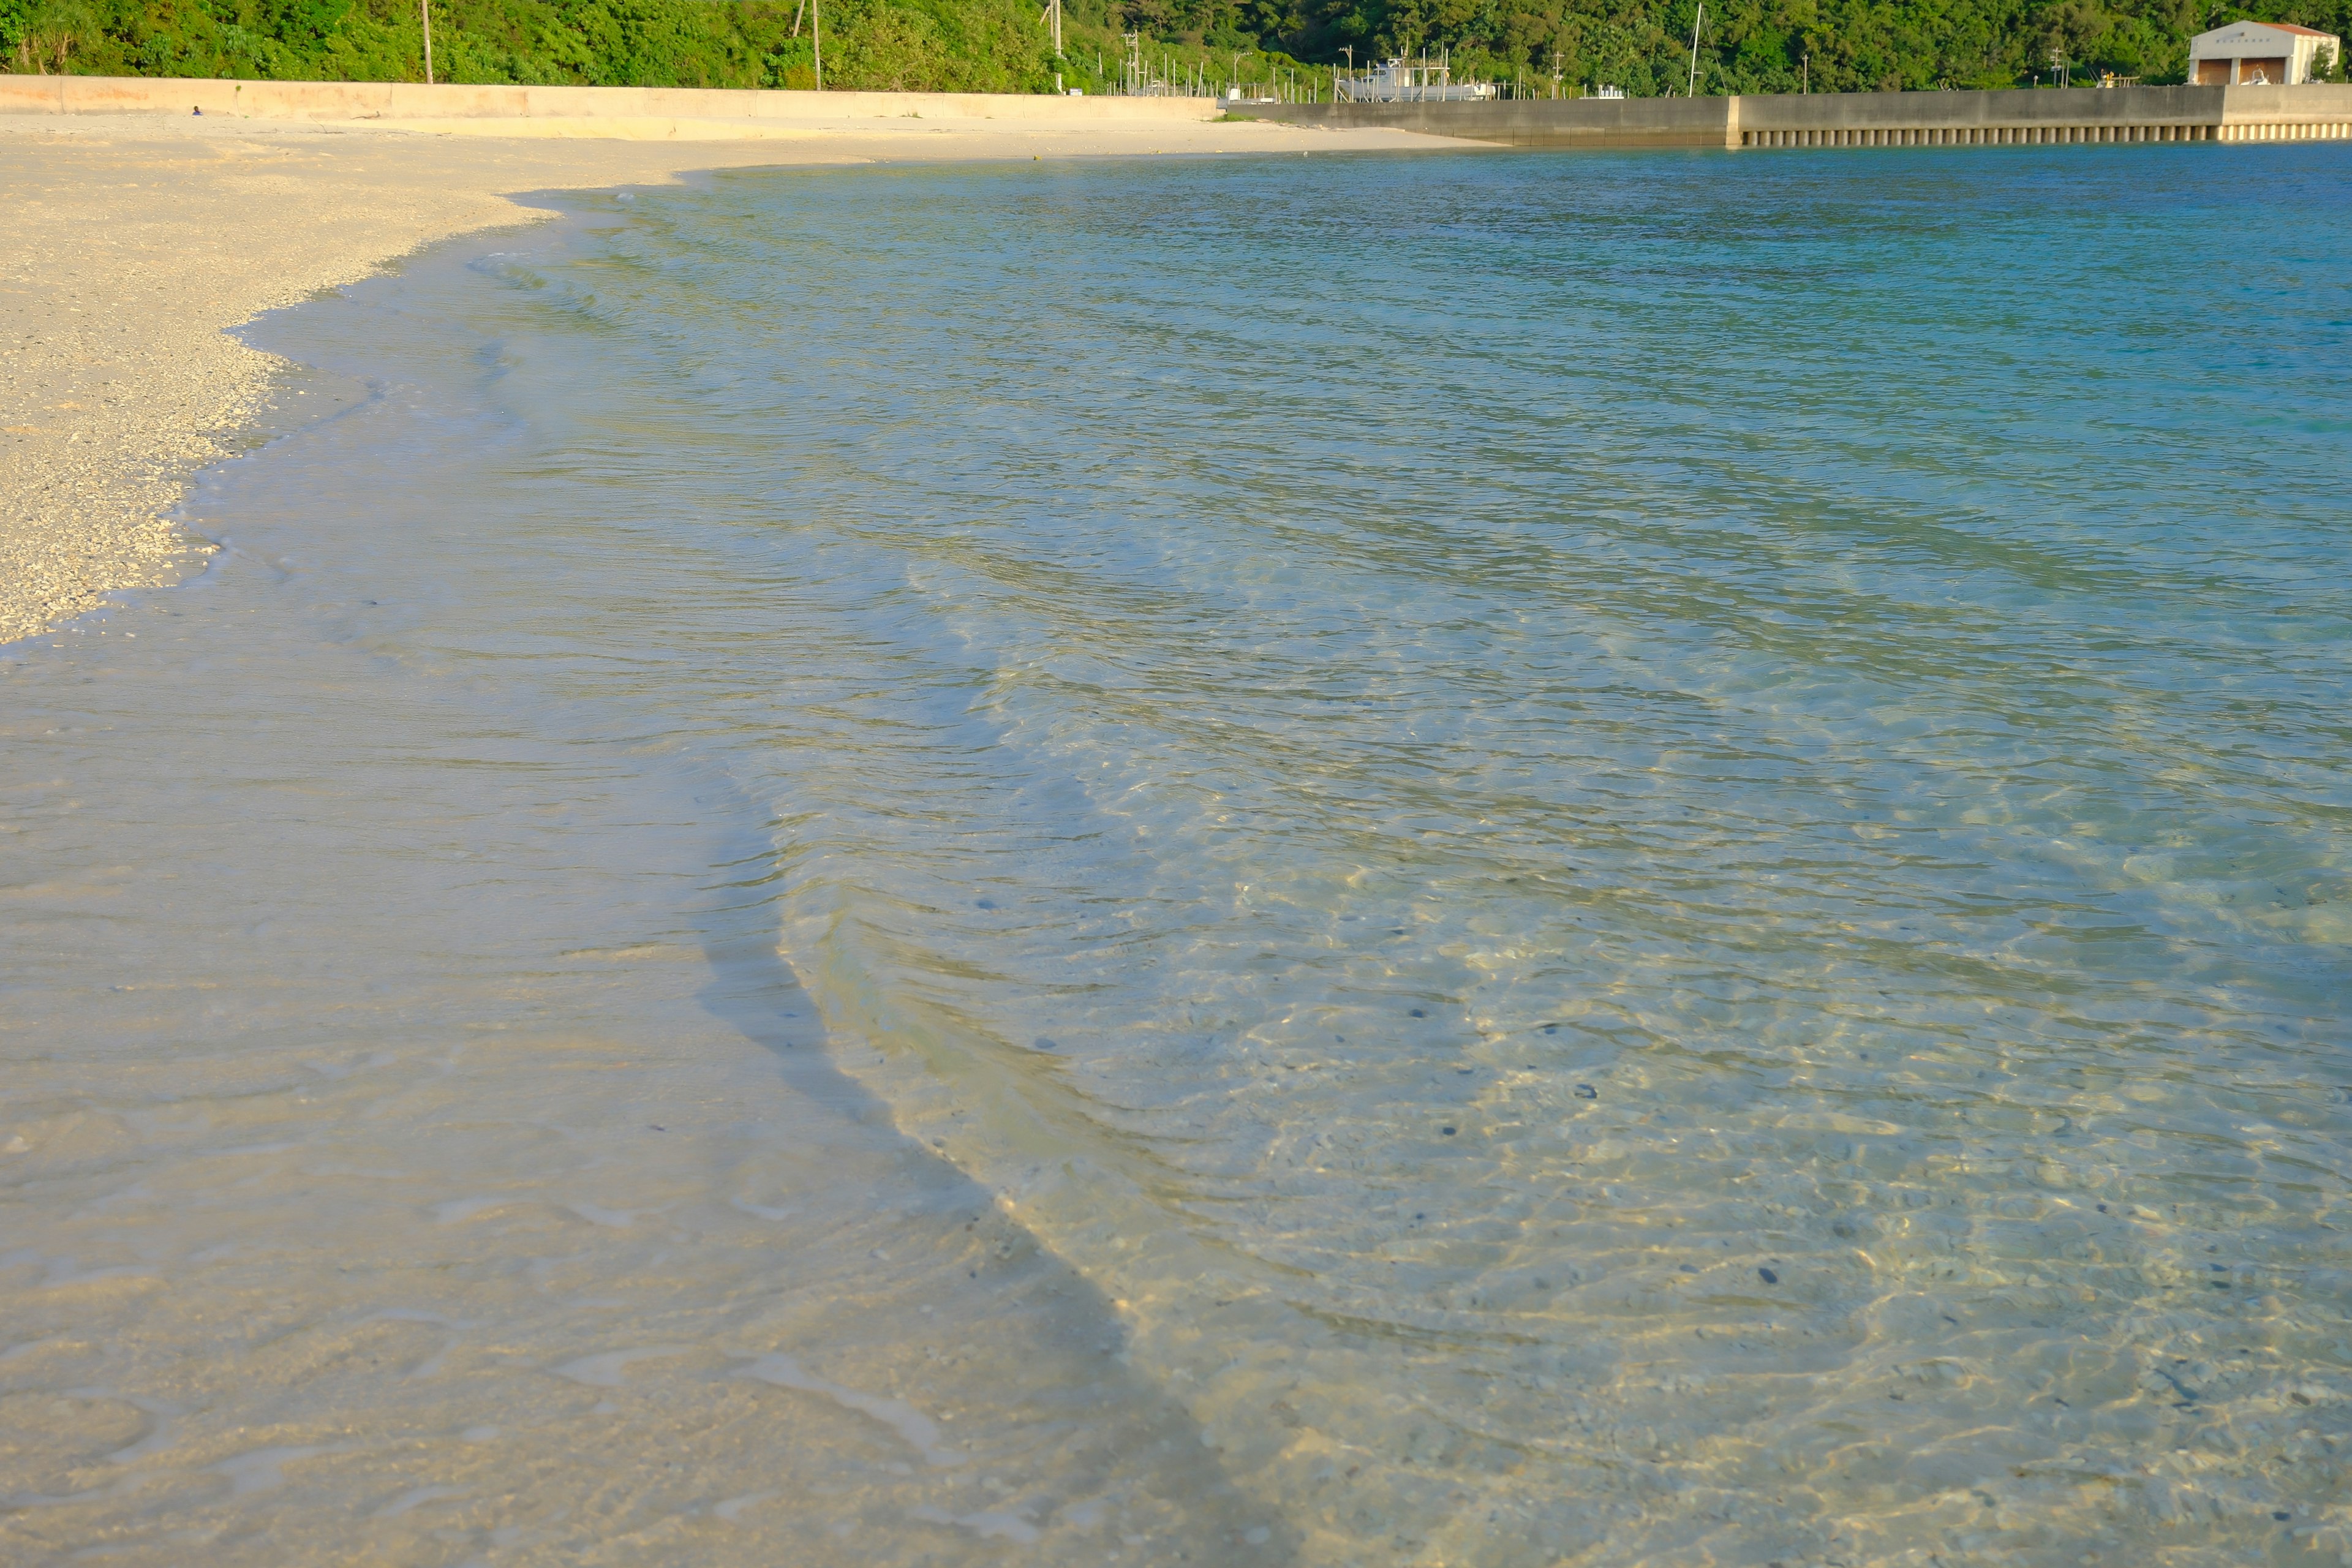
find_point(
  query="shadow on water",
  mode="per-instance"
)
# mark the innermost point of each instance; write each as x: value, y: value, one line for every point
x: 1042, y: 1316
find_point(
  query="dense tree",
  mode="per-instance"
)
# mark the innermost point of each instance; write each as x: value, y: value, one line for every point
x: 999, y: 45
x: 1774, y: 45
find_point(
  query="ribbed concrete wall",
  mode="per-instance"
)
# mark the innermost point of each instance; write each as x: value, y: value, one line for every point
x: 2031, y: 118
x: 2314, y: 111
x: 1926, y: 112
x: 1867, y: 119
x: 409, y: 101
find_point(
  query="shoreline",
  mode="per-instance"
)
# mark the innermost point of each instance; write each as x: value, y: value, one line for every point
x: 136, y: 242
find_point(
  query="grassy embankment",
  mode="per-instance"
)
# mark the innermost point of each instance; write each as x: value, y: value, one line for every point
x: 999, y: 46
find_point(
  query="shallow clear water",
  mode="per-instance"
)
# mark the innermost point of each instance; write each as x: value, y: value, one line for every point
x: 1647, y: 862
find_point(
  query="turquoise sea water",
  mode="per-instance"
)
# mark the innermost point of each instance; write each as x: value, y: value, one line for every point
x: 1627, y: 859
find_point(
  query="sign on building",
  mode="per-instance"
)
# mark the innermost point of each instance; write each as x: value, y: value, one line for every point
x: 2260, y: 54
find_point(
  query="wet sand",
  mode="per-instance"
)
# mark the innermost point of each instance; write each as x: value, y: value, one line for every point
x: 372, y: 1195
x: 130, y: 244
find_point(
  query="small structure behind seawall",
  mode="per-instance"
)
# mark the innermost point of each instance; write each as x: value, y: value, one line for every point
x: 2015, y: 117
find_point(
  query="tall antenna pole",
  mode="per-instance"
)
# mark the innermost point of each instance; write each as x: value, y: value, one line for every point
x: 1692, y: 91
x: 425, y: 9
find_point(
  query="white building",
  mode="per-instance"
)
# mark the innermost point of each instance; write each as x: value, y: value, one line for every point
x: 2247, y: 54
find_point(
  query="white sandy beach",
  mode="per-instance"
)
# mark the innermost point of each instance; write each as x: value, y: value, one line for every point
x: 131, y: 243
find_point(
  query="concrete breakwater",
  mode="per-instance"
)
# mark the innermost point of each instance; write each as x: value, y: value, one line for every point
x: 2013, y: 118
x: 2010, y: 117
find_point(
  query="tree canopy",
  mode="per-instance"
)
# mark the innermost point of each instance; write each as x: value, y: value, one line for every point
x: 1001, y: 46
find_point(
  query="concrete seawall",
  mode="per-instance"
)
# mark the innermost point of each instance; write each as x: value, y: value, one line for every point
x: 2015, y: 118
x: 645, y: 107
x: 1532, y: 122
x: 2315, y: 112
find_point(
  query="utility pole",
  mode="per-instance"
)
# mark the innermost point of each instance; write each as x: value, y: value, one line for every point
x: 1692, y: 91
x: 1057, y: 29
x: 1555, y: 73
x: 1808, y: 71
x: 816, y: 40
x: 425, y: 9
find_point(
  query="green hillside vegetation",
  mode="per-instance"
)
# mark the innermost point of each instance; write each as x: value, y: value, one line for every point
x: 1001, y: 46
